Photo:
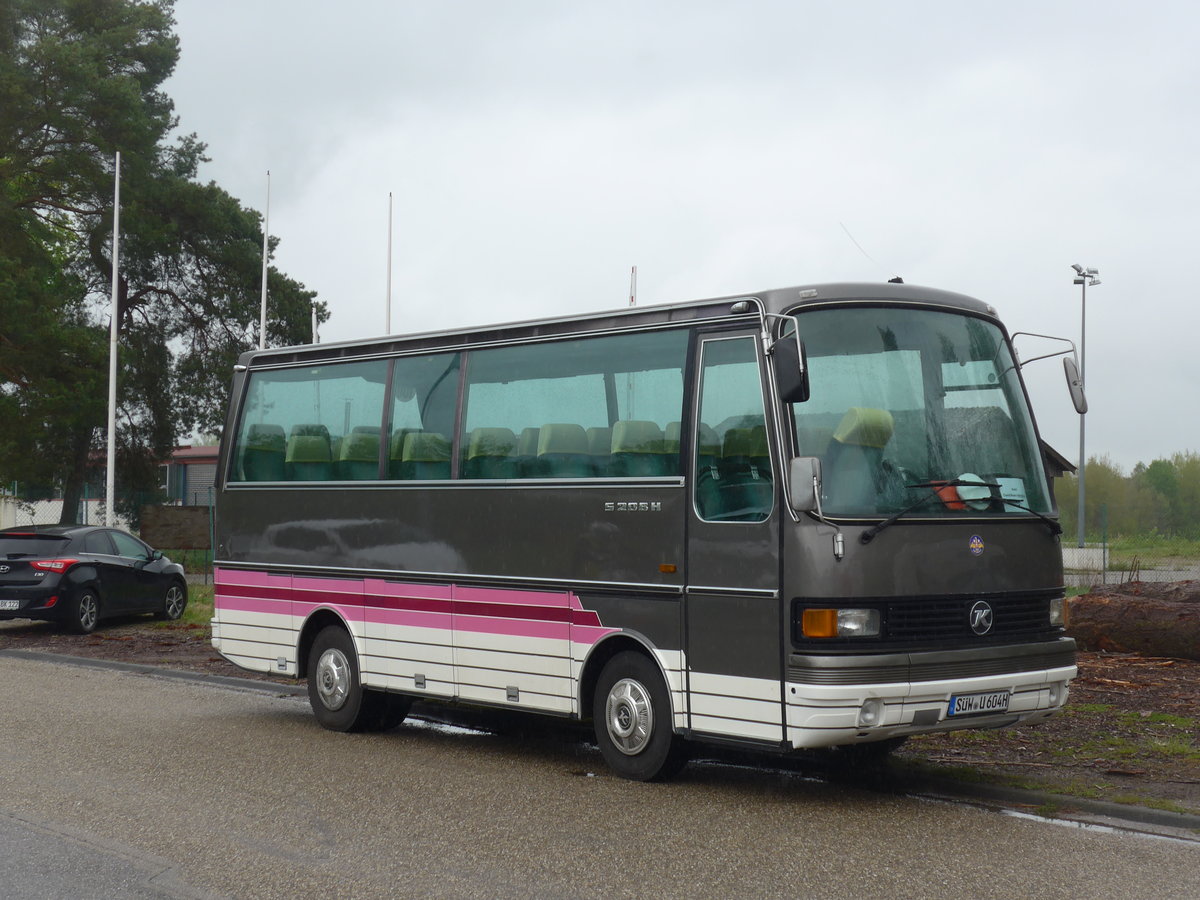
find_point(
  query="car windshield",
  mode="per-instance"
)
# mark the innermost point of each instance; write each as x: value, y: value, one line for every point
x: 917, y: 408
x: 14, y: 546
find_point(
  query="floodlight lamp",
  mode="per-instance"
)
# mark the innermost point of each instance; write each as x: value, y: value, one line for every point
x: 1078, y: 281
x: 1092, y: 271
x: 1093, y: 282
x: 1078, y: 268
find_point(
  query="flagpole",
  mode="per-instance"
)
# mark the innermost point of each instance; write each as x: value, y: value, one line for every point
x: 110, y: 470
x: 633, y: 287
x: 387, y: 319
x: 262, y: 319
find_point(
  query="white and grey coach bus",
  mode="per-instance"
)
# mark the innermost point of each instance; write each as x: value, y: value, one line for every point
x: 801, y: 518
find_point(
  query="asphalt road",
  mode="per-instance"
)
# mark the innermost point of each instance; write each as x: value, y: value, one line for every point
x: 123, y: 785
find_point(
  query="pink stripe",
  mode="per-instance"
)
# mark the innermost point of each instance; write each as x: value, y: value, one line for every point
x: 254, y: 605
x: 538, y: 614
x: 378, y: 588
x: 415, y: 619
x: 513, y: 627
x: 304, y: 610
x: 589, y: 635
x: 258, y: 579
x: 500, y: 595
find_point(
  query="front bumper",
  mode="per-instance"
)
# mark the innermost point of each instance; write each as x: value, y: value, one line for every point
x: 909, y: 693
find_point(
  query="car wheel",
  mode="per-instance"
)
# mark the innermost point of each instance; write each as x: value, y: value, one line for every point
x: 335, y: 693
x: 84, y: 612
x: 174, y: 602
x: 631, y: 713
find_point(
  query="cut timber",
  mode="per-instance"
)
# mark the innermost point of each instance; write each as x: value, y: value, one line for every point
x: 1157, y: 619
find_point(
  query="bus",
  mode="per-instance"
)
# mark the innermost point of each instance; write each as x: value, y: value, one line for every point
x: 810, y: 517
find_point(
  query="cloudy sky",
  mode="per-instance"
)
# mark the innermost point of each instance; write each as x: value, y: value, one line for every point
x: 537, y: 149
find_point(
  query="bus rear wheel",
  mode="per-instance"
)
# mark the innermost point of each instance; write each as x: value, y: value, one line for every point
x: 338, y: 699
x: 631, y: 713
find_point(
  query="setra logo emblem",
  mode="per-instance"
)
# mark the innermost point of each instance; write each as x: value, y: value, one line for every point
x: 981, y: 617
x: 975, y: 545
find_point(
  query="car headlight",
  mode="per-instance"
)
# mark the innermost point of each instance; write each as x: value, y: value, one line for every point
x: 840, y: 623
x: 1058, y: 607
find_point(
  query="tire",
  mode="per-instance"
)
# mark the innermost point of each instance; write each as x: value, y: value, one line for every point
x: 335, y: 693
x: 84, y: 612
x: 174, y: 602
x: 631, y: 713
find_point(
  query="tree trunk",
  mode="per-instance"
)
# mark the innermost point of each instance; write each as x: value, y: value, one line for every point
x: 75, y: 477
x: 1157, y: 619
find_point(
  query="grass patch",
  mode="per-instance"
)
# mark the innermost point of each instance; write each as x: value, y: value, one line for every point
x: 1077, y: 708
x: 1151, y: 550
x: 1152, y: 803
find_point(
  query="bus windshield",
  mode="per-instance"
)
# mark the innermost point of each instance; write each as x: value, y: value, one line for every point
x: 914, y: 408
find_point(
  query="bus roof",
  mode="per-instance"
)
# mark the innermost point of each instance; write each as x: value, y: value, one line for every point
x: 778, y: 300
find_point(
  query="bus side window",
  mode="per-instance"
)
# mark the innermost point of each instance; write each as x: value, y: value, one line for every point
x: 734, y: 480
x: 581, y: 408
x: 311, y: 423
x: 424, y: 395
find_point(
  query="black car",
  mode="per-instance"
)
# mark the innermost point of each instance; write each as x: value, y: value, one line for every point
x: 77, y: 575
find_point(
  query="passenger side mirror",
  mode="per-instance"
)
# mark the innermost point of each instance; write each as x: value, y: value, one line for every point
x: 791, y: 368
x: 1075, y: 385
x: 804, y: 481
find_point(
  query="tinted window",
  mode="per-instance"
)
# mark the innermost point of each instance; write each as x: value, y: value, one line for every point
x: 319, y: 423
x: 97, y: 542
x: 16, y: 545
x: 589, y: 408
x: 734, y: 482
x: 421, y: 425
x: 129, y: 546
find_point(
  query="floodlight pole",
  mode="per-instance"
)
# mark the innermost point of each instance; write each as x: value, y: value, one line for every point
x: 1083, y: 277
x: 262, y: 317
x: 387, y: 316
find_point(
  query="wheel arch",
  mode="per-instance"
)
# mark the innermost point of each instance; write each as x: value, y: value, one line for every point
x: 604, y: 650
x: 317, y: 620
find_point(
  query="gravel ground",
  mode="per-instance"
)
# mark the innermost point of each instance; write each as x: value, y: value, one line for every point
x: 1130, y: 733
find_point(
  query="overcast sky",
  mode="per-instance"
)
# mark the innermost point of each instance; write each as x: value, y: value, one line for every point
x: 537, y: 150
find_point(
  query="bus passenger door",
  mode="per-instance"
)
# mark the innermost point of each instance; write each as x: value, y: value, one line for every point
x: 732, y: 601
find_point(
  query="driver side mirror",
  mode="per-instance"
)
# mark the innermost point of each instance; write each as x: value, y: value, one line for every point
x: 804, y: 481
x: 1075, y: 385
x: 791, y: 368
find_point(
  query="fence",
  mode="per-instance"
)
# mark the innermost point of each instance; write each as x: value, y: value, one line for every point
x: 1135, y: 558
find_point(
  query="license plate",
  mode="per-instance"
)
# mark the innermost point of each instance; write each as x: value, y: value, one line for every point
x: 978, y: 704
x: 10, y: 604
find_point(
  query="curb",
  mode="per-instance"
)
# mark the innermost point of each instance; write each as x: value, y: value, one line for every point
x: 1067, y: 808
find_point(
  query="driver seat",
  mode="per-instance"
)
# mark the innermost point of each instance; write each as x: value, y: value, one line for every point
x: 854, y: 459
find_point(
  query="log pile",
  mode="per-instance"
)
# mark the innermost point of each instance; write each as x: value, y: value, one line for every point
x: 1152, y: 618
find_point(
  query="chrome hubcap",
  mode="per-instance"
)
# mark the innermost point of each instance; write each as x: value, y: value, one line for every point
x: 630, y: 716
x: 333, y: 678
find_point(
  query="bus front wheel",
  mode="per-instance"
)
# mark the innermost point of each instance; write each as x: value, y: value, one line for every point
x: 631, y: 712
x: 338, y: 698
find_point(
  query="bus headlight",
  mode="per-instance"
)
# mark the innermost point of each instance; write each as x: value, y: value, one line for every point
x: 840, y: 623
x: 1057, y: 606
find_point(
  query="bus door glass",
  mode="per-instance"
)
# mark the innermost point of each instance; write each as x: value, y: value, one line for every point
x: 733, y: 617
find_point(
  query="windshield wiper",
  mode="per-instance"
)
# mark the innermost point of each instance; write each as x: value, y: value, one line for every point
x: 869, y: 535
x: 993, y: 489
